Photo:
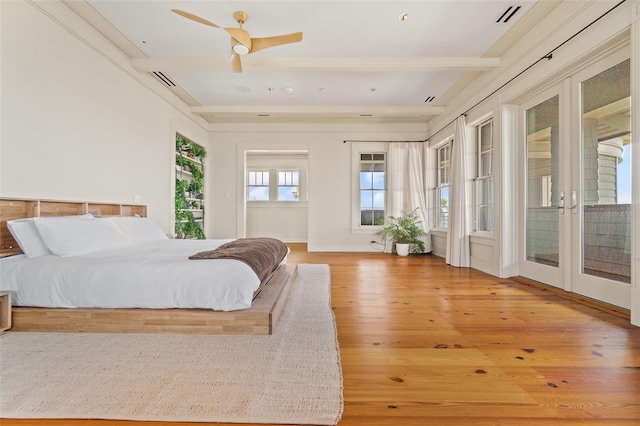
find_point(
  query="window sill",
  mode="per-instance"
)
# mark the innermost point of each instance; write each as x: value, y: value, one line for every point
x: 483, y: 234
x: 277, y: 204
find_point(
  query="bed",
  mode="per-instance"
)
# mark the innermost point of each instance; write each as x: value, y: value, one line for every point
x: 144, y: 284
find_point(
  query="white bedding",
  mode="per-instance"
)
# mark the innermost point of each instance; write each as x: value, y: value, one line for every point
x: 153, y: 274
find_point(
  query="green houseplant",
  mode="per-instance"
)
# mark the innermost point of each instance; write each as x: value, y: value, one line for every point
x: 404, y: 229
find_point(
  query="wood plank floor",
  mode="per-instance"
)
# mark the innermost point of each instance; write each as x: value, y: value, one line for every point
x: 423, y: 343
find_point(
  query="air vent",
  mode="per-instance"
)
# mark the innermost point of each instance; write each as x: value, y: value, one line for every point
x: 430, y: 99
x: 508, y: 14
x: 366, y: 115
x: 264, y: 115
x: 163, y: 78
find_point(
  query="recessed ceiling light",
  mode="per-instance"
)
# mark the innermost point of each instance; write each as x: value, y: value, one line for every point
x: 243, y: 89
x: 144, y: 41
x: 403, y: 16
x: 373, y: 89
x: 288, y: 90
x: 270, y: 89
x: 322, y: 89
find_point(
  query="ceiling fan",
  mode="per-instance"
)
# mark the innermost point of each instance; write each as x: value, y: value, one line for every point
x: 241, y: 41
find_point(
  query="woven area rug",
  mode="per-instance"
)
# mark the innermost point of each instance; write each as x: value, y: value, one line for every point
x: 290, y: 377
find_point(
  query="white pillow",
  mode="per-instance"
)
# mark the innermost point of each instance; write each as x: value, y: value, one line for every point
x: 77, y: 237
x: 28, y: 238
x: 139, y: 229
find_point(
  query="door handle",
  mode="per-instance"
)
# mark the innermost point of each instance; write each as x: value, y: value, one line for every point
x: 574, y: 202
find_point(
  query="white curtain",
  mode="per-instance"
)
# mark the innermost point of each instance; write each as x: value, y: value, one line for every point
x: 458, y: 251
x: 405, y: 179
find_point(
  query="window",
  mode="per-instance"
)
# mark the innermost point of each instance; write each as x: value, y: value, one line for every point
x: 372, y: 189
x: 276, y: 185
x: 443, y: 155
x: 258, y: 185
x: 484, y: 177
x: 288, y: 186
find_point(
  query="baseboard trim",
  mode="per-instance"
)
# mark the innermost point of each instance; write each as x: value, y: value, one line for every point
x: 601, y: 306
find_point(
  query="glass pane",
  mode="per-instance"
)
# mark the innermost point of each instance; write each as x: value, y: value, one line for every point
x: 485, y: 218
x: 484, y: 193
x: 258, y: 193
x: 378, y: 199
x: 378, y: 180
x: 542, y: 221
x: 366, y: 200
x: 485, y: 164
x: 443, y: 207
x: 606, y: 159
x: 288, y: 193
x: 366, y: 217
x: 486, y: 137
x: 443, y: 176
x: 366, y: 180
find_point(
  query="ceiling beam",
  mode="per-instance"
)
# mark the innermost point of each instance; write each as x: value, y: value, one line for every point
x: 261, y: 63
x: 362, y: 110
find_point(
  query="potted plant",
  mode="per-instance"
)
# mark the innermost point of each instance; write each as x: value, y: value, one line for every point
x: 198, y: 152
x: 405, y: 233
x: 182, y: 145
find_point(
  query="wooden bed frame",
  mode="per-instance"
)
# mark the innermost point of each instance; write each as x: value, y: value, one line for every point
x: 261, y: 318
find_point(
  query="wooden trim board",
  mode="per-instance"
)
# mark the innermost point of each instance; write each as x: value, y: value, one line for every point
x: 261, y: 318
x: 19, y: 208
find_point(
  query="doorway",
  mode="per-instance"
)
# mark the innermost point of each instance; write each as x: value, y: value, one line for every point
x: 276, y: 194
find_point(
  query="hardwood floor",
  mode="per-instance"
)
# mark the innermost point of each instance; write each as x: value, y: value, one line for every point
x: 423, y: 343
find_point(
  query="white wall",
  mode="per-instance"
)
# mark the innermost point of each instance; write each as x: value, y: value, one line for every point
x: 77, y: 123
x: 329, y: 178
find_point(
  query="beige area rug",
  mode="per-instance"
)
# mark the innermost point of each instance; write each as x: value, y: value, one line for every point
x: 291, y: 377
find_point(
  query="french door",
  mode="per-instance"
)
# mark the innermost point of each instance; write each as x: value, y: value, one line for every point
x: 576, y: 183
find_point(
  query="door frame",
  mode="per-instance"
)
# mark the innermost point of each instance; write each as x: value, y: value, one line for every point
x: 550, y: 275
x: 602, y: 289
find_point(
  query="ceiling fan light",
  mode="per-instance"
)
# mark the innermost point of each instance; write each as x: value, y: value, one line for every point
x: 240, y: 49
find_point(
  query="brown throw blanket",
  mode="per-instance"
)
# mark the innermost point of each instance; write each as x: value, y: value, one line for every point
x: 263, y: 255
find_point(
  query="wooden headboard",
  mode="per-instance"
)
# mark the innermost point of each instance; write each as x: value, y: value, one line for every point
x: 18, y: 208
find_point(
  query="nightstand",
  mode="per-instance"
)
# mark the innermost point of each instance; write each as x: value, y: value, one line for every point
x: 5, y: 311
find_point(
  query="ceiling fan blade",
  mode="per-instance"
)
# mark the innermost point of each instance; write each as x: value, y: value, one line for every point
x: 194, y: 17
x: 240, y: 35
x: 266, y: 42
x: 236, y: 65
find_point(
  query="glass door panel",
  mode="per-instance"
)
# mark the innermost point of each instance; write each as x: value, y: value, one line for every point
x: 542, y: 234
x: 604, y: 214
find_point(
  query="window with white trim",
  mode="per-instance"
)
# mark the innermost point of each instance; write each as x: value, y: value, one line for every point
x: 258, y: 185
x: 441, y: 203
x: 288, y: 185
x: 373, y: 188
x: 484, y: 204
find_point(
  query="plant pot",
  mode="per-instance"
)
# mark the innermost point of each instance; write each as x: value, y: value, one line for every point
x: 402, y: 249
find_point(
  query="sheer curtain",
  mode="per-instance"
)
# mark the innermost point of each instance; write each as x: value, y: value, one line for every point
x: 458, y: 252
x: 405, y: 179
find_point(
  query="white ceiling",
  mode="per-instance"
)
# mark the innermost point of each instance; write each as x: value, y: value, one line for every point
x: 356, y: 58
